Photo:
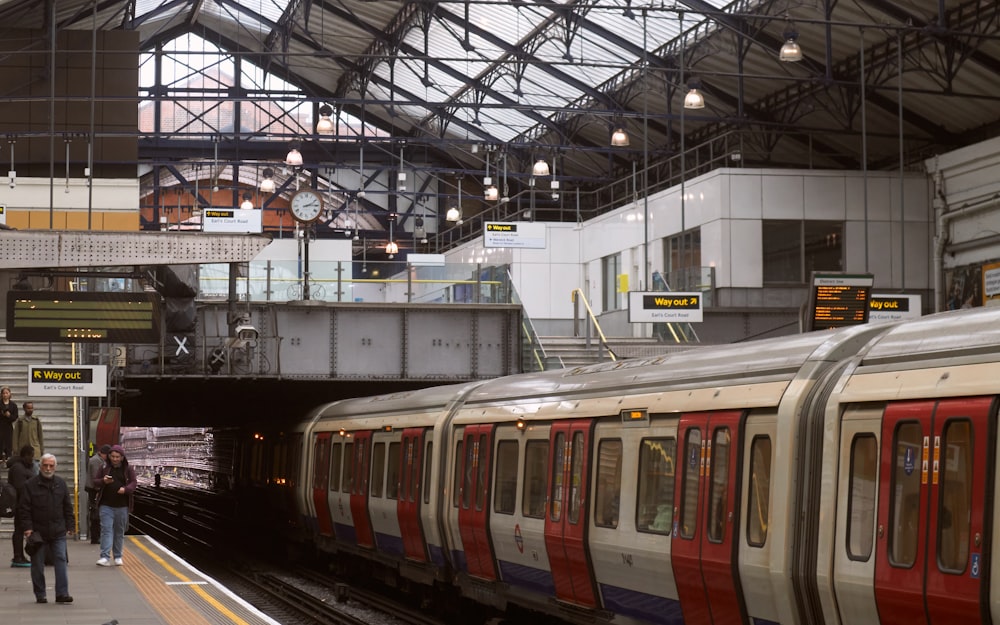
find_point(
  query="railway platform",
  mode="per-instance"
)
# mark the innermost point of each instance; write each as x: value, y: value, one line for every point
x: 152, y: 587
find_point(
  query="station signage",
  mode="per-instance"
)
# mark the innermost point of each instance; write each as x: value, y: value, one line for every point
x: 521, y: 234
x: 664, y: 307
x: 837, y: 300
x: 231, y: 220
x: 67, y: 380
x: 3, y: 213
x: 893, y: 307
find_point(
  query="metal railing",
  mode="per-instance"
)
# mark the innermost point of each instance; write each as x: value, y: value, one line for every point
x: 578, y: 296
x: 533, y: 356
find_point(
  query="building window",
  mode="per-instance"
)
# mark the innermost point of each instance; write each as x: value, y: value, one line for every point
x: 682, y: 255
x: 611, y: 266
x: 794, y: 249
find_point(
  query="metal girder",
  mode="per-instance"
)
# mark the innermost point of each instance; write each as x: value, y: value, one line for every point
x: 34, y: 249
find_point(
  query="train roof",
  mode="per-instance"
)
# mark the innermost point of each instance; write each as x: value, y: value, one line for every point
x: 431, y: 399
x: 971, y: 334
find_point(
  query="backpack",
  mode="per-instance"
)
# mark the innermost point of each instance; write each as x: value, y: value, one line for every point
x: 8, y: 500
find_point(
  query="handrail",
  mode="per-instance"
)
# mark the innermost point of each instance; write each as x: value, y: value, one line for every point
x: 593, y: 318
x: 530, y: 335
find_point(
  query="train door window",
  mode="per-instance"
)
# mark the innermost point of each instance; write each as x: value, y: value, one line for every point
x: 412, y: 468
x: 955, y: 513
x: 689, y: 494
x: 457, y: 484
x: 904, y: 513
x: 718, y: 485
x: 536, y: 457
x: 861, y: 502
x: 609, y: 483
x: 481, y: 472
x: 378, y: 469
x: 321, y: 470
x: 468, y: 482
x: 576, y: 478
x: 655, y: 504
x: 406, y: 486
x: 504, y: 498
x: 760, y: 488
x: 335, y: 461
x: 427, y: 472
x: 557, y: 478
x: 392, y: 474
x: 348, y: 468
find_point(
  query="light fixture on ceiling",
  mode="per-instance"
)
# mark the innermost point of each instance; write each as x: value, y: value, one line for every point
x: 619, y: 138
x: 490, y: 192
x: 506, y: 190
x: 391, y: 248
x: 294, y: 157
x: 267, y: 184
x: 455, y: 212
x: 790, y: 50
x: 541, y: 168
x: 401, y: 176
x: 325, y: 125
x: 247, y: 203
x: 356, y: 237
x: 694, y: 98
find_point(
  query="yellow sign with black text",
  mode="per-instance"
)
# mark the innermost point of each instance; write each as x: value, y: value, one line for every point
x: 664, y: 306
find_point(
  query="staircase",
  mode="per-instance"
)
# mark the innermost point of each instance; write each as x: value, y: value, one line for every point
x: 574, y: 351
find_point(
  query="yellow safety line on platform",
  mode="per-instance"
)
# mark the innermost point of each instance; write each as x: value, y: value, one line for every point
x: 173, y: 615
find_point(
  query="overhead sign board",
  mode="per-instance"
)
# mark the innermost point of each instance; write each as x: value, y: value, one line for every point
x: 232, y: 220
x: 893, y: 307
x: 664, y: 307
x: 3, y: 214
x: 87, y: 317
x: 523, y: 234
x: 838, y: 299
x: 67, y: 380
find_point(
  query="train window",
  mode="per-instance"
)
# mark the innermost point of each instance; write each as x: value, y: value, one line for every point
x: 536, y: 459
x: 760, y: 488
x: 718, y: 486
x: 378, y: 469
x: 406, y: 475
x: 335, y: 461
x: 558, y: 476
x: 904, y: 513
x: 348, y: 468
x: 505, y: 497
x: 412, y: 467
x: 861, y: 497
x: 576, y: 478
x: 457, y: 485
x: 481, y: 467
x: 689, y: 488
x: 655, y: 505
x: 609, y: 483
x: 427, y: 472
x: 468, y: 481
x: 321, y: 470
x: 392, y: 474
x: 955, y: 505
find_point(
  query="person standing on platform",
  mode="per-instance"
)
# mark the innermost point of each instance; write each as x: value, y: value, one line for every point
x: 19, y: 471
x: 46, y: 507
x: 114, y: 501
x: 28, y: 431
x: 94, y: 467
x: 8, y: 415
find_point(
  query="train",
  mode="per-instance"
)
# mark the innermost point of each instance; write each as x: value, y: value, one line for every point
x: 833, y: 477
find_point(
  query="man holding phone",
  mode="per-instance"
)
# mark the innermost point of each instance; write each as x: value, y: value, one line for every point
x: 116, y: 484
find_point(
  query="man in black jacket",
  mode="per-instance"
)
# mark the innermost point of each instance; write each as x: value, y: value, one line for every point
x: 46, y: 507
x: 19, y: 471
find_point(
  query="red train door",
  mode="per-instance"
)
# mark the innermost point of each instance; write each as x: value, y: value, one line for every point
x: 321, y: 483
x: 408, y: 504
x: 706, y: 518
x: 473, y: 511
x: 359, y: 489
x: 566, y: 518
x: 930, y: 556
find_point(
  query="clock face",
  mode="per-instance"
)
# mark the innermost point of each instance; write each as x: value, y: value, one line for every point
x: 306, y: 205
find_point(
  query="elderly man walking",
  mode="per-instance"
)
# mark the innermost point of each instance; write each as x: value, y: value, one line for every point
x: 46, y: 509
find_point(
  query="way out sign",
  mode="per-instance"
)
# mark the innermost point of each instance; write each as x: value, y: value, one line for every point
x: 664, y: 307
x: 67, y: 380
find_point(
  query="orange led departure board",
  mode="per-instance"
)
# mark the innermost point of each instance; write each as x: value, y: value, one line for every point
x: 838, y: 299
x: 67, y: 317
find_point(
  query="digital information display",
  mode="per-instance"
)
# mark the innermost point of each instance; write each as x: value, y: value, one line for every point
x: 837, y: 300
x: 69, y: 317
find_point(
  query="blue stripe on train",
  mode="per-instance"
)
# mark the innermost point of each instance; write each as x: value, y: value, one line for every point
x: 345, y: 533
x: 537, y: 580
x: 437, y: 555
x: 389, y: 544
x: 641, y: 605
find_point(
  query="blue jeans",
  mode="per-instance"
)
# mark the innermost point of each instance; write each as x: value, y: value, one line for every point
x: 114, y: 522
x: 58, y: 547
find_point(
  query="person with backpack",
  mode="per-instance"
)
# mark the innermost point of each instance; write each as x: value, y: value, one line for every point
x: 19, y: 470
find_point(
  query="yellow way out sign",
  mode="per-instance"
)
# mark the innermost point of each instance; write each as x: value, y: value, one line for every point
x: 67, y: 380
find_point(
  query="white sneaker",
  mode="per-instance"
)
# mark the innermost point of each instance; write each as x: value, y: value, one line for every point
x: 104, y: 562
x: 118, y: 562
